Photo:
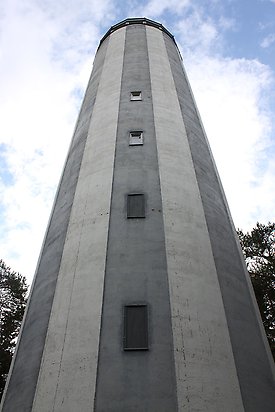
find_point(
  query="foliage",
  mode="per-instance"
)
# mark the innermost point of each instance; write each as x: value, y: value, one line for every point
x: 13, y: 299
x: 259, y: 252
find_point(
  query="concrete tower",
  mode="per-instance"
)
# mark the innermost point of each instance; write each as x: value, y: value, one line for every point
x: 141, y: 300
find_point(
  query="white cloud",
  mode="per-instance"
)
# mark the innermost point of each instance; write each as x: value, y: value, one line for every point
x: 268, y: 41
x: 45, y: 60
x: 156, y: 8
x: 226, y: 23
x: 197, y: 33
x: 46, y: 53
x: 230, y: 95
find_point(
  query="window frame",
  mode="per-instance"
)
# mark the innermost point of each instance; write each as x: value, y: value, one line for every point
x: 126, y: 332
x: 135, y: 216
x: 133, y: 142
x: 134, y: 97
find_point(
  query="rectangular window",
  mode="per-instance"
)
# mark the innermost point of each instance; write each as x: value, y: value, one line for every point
x: 135, y: 205
x: 136, y: 95
x: 135, y: 139
x: 135, y: 327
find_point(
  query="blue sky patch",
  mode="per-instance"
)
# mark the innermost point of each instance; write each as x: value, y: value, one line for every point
x: 5, y: 174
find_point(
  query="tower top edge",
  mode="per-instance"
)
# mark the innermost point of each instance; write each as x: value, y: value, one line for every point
x: 136, y: 20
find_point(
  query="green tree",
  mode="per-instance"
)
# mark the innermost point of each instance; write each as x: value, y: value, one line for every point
x: 13, y: 299
x: 259, y: 252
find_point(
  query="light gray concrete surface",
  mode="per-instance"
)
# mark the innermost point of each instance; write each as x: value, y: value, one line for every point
x: 206, y: 349
x: 205, y: 370
x: 252, y: 356
x: 68, y: 370
x: 26, y: 363
x: 136, y: 269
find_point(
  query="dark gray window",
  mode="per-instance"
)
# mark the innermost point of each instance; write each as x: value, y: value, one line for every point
x: 136, y: 138
x: 136, y: 95
x: 135, y: 327
x: 135, y: 205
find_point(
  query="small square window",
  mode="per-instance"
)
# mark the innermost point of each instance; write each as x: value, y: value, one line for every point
x: 135, y: 205
x: 136, y: 95
x: 135, y: 327
x: 136, y: 139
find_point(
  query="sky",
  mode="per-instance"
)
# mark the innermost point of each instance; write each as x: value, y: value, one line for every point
x: 47, y: 49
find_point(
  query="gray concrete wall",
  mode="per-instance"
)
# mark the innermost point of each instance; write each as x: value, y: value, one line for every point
x: 206, y: 349
x: 69, y: 364
x: 136, y: 270
x: 205, y: 370
x: 24, y: 372
x: 248, y: 343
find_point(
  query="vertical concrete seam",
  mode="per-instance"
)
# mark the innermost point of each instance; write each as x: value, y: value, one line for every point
x: 169, y: 284
x: 166, y: 268
x: 200, y: 196
x: 28, y: 308
x: 68, y: 314
x: 226, y: 348
x: 59, y: 187
x: 192, y: 159
x: 110, y: 217
x: 228, y: 217
x: 88, y: 177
